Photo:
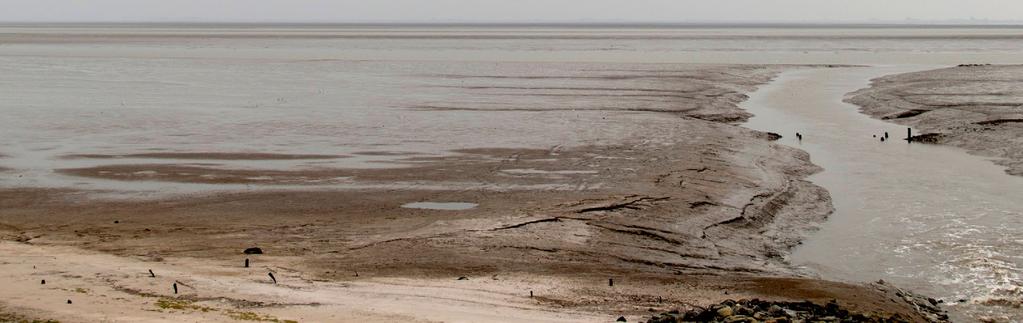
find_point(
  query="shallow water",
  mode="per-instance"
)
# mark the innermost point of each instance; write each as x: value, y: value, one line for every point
x: 342, y: 90
x: 931, y: 218
x: 622, y: 44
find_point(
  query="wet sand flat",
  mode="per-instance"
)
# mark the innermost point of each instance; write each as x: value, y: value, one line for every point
x: 979, y: 108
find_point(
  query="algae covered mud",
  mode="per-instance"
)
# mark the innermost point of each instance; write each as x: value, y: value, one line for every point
x: 544, y: 173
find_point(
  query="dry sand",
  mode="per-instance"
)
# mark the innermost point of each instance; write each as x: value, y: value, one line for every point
x: 103, y: 287
x: 706, y: 212
x: 979, y: 108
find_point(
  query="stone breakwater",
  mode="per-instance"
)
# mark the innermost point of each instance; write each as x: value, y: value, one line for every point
x: 757, y: 310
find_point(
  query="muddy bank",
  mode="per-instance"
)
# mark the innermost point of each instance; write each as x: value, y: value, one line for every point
x: 975, y: 107
x: 720, y: 198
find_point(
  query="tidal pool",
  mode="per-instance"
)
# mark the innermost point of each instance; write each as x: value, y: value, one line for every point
x: 446, y: 206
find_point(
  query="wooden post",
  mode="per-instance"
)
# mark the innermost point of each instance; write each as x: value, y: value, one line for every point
x: 246, y: 262
x: 909, y: 134
x: 175, y: 288
x: 530, y: 294
x: 151, y: 274
x: 610, y: 281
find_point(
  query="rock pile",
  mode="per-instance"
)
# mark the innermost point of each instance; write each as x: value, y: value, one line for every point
x: 756, y: 310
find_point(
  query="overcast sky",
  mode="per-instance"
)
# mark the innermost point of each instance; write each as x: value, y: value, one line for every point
x: 509, y: 10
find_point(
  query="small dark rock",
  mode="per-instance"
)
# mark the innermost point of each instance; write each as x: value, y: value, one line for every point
x: 739, y: 319
x: 831, y: 307
x: 744, y: 311
x: 620, y: 319
x: 725, y: 311
x: 463, y: 278
x: 69, y: 301
x: 253, y: 251
x: 933, y: 302
x: 842, y: 313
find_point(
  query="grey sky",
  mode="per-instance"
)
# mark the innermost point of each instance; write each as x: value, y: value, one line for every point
x: 508, y: 10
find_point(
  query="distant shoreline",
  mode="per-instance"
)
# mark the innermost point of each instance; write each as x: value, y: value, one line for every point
x: 579, y: 25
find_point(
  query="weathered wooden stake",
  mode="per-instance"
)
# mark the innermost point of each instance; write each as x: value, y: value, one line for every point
x: 151, y: 274
x: 175, y: 288
x: 530, y: 294
x: 246, y: 262
x: 272, y: 277
x: 610, y: 281
x: 909, y: 134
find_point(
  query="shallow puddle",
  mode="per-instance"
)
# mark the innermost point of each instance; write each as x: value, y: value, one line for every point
x: 446, y: 206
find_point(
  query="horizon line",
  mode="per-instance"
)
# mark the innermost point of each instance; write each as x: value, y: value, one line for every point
x: 559, y: 23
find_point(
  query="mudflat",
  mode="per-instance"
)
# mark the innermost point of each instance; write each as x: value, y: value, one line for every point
x: 972, y: 106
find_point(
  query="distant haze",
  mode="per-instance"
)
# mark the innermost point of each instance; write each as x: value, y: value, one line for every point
x: 340, y: 11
